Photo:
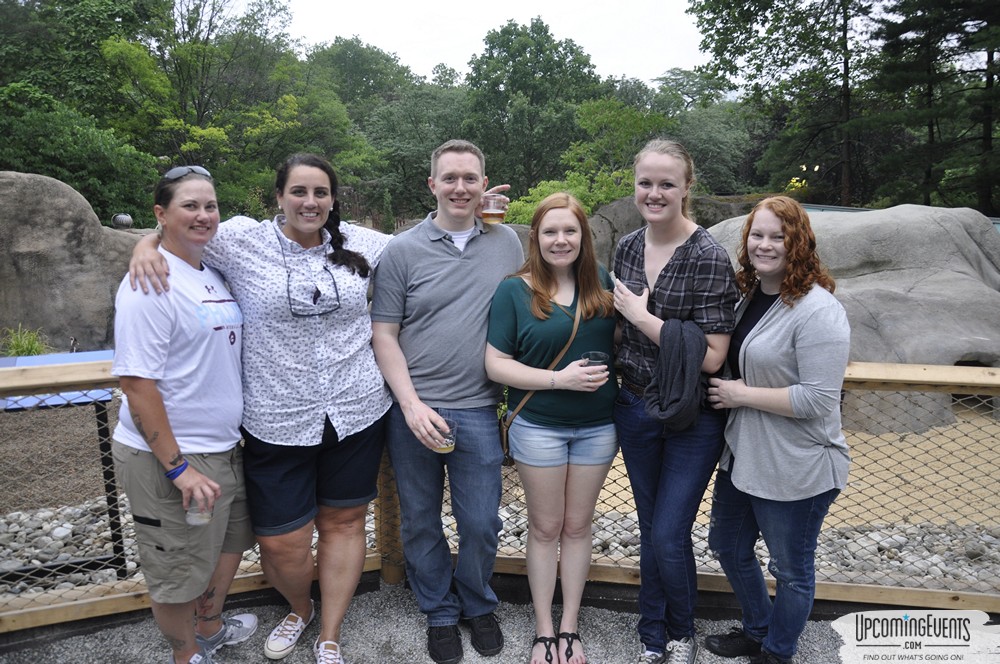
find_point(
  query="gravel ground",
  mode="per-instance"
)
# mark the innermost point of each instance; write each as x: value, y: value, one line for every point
x: 385, y: 627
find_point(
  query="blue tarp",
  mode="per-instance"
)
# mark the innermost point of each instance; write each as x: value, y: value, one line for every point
x: 63, y: 398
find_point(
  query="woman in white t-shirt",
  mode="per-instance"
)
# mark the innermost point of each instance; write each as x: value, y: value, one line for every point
x: 176, y: 445
x: 314, y: 397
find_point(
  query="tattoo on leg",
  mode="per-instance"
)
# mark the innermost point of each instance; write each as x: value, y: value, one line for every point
x: 174, y: 642
x: 204, y: 604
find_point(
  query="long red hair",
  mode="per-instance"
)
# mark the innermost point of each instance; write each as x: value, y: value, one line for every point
x: 803, y: 266
x: 592, y: 298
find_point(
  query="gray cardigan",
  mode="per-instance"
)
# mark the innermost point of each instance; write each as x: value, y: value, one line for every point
x: 804, y: 348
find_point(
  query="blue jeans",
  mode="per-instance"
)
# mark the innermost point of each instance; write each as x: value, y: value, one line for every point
x: 790, y: 530
x: 445, y: 595
x: 669, y: 472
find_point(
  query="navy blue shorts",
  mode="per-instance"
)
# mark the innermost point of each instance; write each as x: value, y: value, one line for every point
x: 286, y: 484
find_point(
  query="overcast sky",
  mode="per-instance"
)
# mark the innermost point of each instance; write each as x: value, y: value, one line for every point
x: 635, y: 38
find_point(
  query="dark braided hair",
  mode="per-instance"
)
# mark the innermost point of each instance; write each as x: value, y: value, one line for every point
x: 352, y: 260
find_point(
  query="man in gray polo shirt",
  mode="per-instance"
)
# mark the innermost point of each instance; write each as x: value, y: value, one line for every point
x: 433, y: 288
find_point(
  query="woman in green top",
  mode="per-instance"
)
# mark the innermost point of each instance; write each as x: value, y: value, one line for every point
x: 563, y: 440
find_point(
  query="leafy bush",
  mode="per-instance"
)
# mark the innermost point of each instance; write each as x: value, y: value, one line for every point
x: 22, y: 342
x: 592, y: 193
x: 44, y: 136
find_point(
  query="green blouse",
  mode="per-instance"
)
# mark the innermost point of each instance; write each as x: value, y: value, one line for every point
x: 515, y: 331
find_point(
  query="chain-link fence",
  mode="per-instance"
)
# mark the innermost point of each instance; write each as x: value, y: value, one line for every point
x: 921, y: 510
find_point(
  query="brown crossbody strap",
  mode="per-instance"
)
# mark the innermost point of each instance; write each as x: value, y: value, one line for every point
x: 576, y: 324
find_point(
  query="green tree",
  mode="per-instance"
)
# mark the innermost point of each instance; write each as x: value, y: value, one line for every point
x: 979, y: 43
x: 718, y: 139
x: 615, y: 133
x: 42, y: 135
x: 629, y: 91
x: 364, y: 76
x: 524, y: 90
x: 683, y: 89
x: 937, y: 86
x: 55, y: 45
x: 919, y: 84
x: 810, y: 47
x: 405, y: 132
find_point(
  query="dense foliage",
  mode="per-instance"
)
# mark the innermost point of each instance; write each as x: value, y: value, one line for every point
x: 848, y: 102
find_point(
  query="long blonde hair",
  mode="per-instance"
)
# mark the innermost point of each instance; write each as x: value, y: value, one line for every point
x: 593, y: 300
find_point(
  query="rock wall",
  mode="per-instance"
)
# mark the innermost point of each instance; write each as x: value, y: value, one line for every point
x: 59, y: 267
x: 921, y: 285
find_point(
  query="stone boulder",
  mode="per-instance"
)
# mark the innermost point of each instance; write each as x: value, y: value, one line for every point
x: 59, y: 267
x: 615, y: 220
x: 921, y: 285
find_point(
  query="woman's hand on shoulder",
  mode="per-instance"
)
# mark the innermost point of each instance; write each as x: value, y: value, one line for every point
x: 148, y: 267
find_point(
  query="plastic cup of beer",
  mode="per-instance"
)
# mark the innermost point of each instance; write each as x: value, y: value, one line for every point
x: 449, y: 437
x: 195, y: 516
x: 594, y: 357
x: 494, y: 208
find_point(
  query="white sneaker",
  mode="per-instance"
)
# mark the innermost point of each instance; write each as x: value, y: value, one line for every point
x: 327, y: 652
x: 684, y: 651
x: 282, y: 639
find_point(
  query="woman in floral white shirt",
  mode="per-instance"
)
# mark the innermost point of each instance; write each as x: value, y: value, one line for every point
x: 314, y: 397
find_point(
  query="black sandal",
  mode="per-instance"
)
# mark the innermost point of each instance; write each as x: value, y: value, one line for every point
x: 548, y: 642
x: 570, y: 638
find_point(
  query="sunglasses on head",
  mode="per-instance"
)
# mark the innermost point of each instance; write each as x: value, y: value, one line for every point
x: 180, y: 171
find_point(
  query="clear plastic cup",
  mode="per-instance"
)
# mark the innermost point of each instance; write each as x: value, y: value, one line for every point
x: 449, y: 437
x: 594, y: 357
x: 494, y: 208
x: 196, y: 517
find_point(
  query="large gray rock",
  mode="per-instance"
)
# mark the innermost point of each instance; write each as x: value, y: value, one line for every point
x: 610, y: 222
x: 59, y: 267
x: 921, y: 285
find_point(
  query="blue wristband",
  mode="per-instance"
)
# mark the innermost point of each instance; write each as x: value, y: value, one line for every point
x: 174, y: 473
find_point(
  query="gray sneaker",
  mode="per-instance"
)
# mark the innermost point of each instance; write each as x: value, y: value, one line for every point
x: 684, y: 651
x: 235, y: 629
x: 649, y: 657
x: 202, y: 657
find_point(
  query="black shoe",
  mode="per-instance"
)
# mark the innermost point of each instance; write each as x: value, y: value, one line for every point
x: 487, y: 638
x: 444, y: 644
x: 734, y: 644
x: 764, y: 657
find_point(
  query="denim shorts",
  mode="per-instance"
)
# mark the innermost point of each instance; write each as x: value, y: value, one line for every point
x: 546, y: 447
x: 287, y: 483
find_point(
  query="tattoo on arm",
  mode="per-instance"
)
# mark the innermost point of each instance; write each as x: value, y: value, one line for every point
x: 150, y: 439
x: 177, y: 460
